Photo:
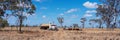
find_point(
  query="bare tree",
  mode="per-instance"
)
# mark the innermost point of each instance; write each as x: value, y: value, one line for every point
x: 92, y: 21
x: 90, y: 24
x: 99, y: 21
x: 60, y: 20
x: 82, y: 20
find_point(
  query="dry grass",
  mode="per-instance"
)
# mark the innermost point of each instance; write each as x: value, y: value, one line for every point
x: 35, y: 33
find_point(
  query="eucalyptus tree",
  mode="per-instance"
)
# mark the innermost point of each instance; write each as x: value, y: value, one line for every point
x: 60, y: 20
x: 109, y: 11
x: 99, y: 21
x: 92, y: 21
x: 82, y: 20
x: 1, y: 13
x: 24, y: 7
x: 90, y: 24
x: 3, y: 8
x: 19, y: 9
x: 118, y: 24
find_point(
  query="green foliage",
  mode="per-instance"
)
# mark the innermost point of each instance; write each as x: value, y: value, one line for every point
x: 18, y: 8
x: 3, y: 23
x: 1, y: 12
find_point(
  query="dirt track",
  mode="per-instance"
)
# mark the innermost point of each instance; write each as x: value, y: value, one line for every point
x: 37, y: 34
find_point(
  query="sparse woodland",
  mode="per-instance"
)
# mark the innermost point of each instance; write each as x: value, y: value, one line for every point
x: 107, y: 18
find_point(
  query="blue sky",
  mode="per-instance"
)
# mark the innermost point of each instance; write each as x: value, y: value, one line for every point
x: 72, y: 11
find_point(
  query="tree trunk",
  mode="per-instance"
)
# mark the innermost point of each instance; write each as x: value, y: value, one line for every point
x: 20, y: 24
x: 83, y: 25
x: 61, y: 25
x: 100, y: 25
x: 115, y: 22
x: 108, y: 25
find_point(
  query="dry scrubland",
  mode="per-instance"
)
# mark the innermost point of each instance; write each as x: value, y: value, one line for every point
x: 34, y: 33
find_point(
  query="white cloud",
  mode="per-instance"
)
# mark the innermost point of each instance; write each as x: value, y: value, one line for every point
x: 43, y: 16
x: 61, y: 14
x: 74, y: 16
x: 88, y: 15
x: 72, y: 10
x: 91, y: 11
x: 90, y: 4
